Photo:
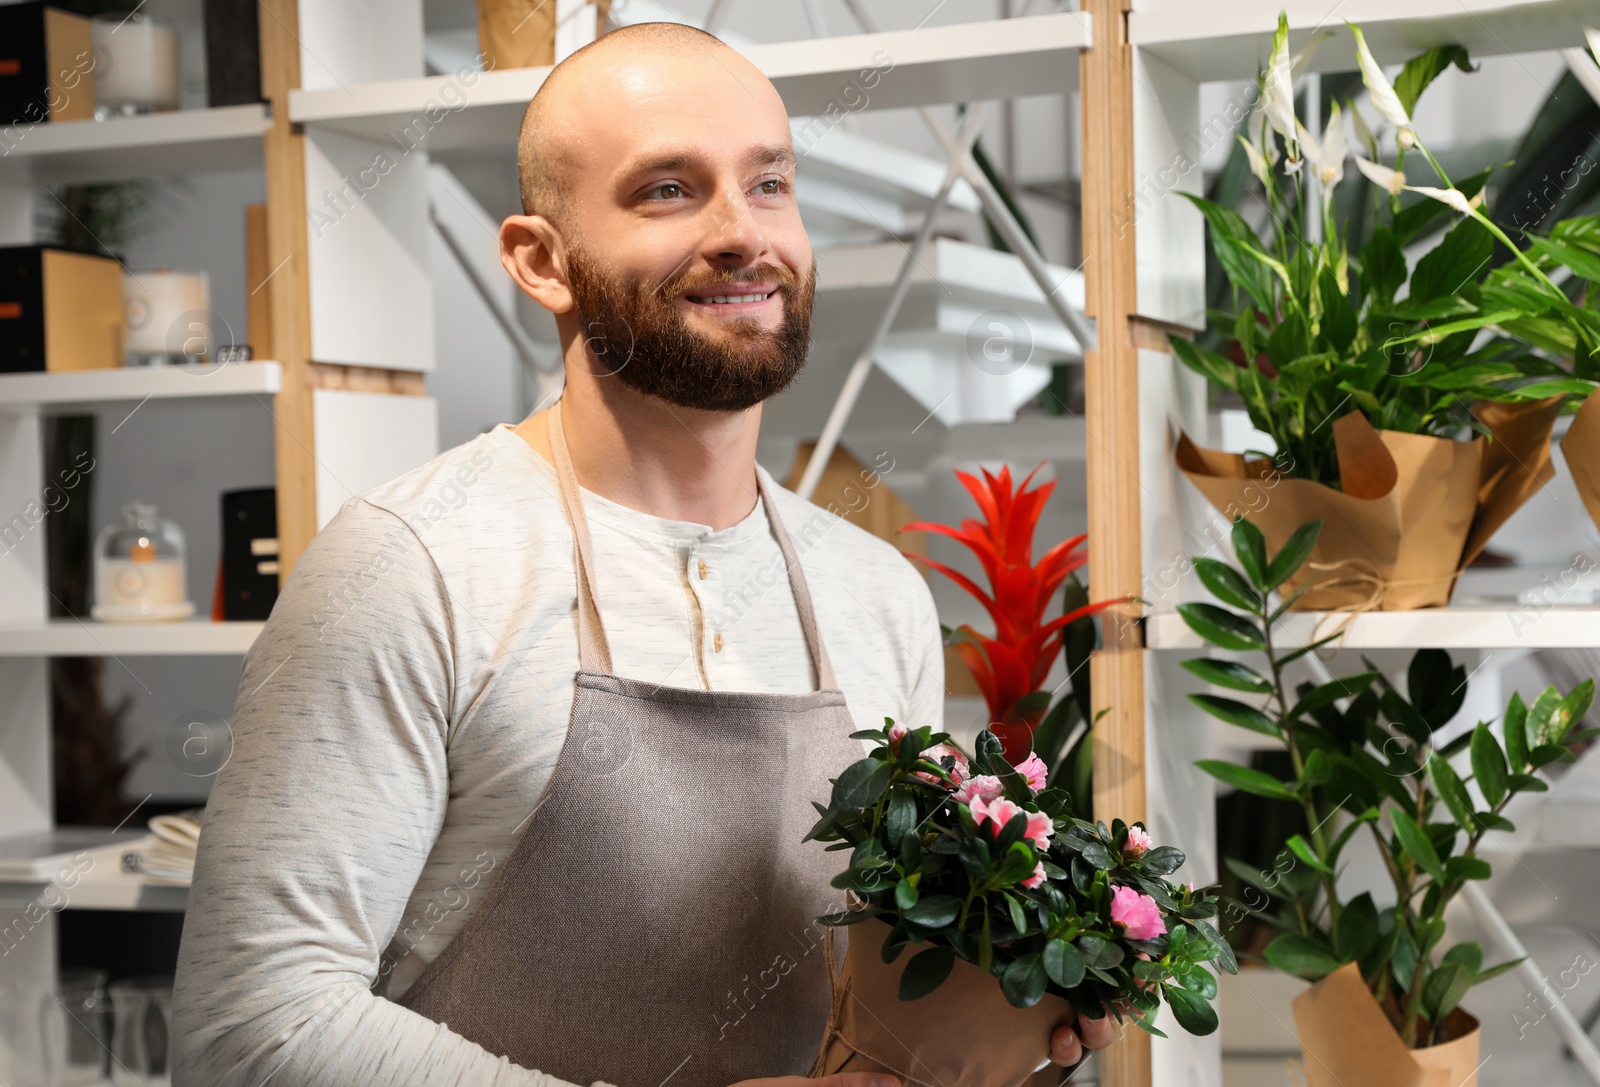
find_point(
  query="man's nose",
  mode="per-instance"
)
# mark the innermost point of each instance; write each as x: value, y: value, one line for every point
x: 732, y: 234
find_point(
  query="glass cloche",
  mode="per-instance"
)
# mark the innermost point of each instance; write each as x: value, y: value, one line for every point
x: 139, y: 569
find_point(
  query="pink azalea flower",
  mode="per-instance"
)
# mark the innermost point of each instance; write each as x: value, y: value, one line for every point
x: 1040, y: 827
x: 1034, y: 769
x: 1037, y: 877
x: 1000, y: 811
x: 1138, y: 841
x: 897, y: 732
x: 980, y: 787
x: 1137, y: 914
x: 938, y: 752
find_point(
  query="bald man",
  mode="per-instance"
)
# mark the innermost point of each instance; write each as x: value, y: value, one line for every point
x: 523, y: 759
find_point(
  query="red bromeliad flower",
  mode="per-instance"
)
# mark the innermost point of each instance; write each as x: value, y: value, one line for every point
x: 1011, y: 666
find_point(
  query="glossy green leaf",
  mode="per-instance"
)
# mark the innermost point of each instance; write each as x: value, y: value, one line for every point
x: 1229, y: 674
x: 1301, y: 956
x: 1236, y: 713
x: 934, y: 911
x: 926, y: 971
x: 1488, y: 765
x: 1024, y: 981
x: 1193, y: 1012
x: 1227, y: 584
x: 1064, y: 963
x: 1416, y: 844
x: 1251, y: 547
x: 1247, y: 780
x: 1293, y: 554
x: 1516, y: 734
x: 1444, y: 988
x: 1447, y: 783
x: 1222, y: 628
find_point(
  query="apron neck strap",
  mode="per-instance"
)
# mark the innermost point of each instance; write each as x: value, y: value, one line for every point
x: 594, y: 653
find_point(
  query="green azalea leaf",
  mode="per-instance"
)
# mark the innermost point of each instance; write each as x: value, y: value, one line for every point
x: 926, y: 971
x: 1229, y: 674
x: 1192, y: 1011
x: 1222, y: 628
x: 861, y: 784
x: 1024, y: 981
x: 934, y: 911
x: 905, y: 894
x: 1225, y: 956
x: 1063, y: 963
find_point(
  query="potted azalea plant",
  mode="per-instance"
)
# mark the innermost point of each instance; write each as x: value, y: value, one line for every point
x: 1368, y: 377
x: 1012, y: 666
x: 1368, y: 760
x: 985, y: 914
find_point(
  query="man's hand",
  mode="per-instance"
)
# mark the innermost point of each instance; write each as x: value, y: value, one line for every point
x: 843, y: 1079
x: 1071, y: 1039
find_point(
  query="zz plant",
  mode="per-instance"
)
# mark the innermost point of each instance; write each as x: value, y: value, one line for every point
x: 1368, y: 759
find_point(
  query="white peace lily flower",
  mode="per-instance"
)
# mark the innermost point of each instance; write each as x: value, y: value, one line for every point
x: 1278, y: 88
x: 1335, y: 148
x: 1384, y: 98
x: 1258, y: 162
x: 1406, y: 138
x: 1454, y: 197
x: 1328, y: 158
x: 1392, y: 181
x: 1395, y: 182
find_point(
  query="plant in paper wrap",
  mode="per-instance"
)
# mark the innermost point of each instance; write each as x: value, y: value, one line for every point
x: 1369, y: 760
x: 1006, y: 912
x: 1011, y: 666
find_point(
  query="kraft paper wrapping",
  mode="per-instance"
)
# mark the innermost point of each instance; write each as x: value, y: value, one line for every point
x: 1581, y: 447
x: 964, y: 1032
x: 1413, y: 512
x: 1346, y: 1039
x: 522, y: 33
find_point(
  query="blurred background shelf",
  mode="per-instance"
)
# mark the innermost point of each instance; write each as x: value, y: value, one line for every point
x: 83, y: 865
x: 1471, y: 627
x: 88, y: 638
x: 170, y: 144
x: 72, y: 389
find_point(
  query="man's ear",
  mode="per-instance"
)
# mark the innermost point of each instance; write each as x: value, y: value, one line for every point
x: 532, y: 250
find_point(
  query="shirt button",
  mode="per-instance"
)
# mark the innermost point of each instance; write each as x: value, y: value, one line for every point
x: 702, y: 569
x: 716, y: 643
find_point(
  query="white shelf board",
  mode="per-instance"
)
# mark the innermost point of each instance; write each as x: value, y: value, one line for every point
x: 1471, y: 627
x: 94, y: 856
x: 1231, y: 39
x: 152, y: 145
x: 934, y: 64
x: 88, y: 638
x: 71, y: 388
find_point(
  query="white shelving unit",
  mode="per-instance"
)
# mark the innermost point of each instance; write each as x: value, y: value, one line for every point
x: 86, y: 873
x: 153, y: 145
x: 74, y: 389
x: 87, y: 638
x: 1470, y: 627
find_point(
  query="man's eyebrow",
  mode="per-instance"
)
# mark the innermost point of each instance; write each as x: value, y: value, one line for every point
x: 673, y: 161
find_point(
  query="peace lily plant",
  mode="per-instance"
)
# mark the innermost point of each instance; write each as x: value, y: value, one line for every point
x: 1318, y: 330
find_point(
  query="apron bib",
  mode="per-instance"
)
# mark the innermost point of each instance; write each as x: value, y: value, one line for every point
x: 656, y: 919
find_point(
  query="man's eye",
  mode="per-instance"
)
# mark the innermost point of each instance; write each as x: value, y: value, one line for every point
x: 773, y: 186
x: 670, y: 191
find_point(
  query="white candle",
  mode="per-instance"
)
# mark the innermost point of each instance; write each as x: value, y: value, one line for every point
x: 136, y: 64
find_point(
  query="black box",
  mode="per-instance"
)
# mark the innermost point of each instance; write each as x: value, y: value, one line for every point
x: 233, y: 52
x: 59, y: 310
x: 249, y: 553
x: 46, y: 60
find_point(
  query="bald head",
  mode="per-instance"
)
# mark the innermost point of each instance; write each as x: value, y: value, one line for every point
x: 615, y: 75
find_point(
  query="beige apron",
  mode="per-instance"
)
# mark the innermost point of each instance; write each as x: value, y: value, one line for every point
x: 656, y: 919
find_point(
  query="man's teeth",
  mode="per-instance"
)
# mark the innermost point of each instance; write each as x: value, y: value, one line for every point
x: 723, y: 299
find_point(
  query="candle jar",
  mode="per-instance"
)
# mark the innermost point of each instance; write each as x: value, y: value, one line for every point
x: 135, y: 66
x: 139, y: 569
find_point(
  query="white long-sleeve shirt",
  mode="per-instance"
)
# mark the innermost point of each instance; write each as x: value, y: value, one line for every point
x: 402, y: 712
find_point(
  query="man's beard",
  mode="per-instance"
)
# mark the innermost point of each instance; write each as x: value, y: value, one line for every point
x: 639, y: 333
